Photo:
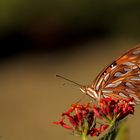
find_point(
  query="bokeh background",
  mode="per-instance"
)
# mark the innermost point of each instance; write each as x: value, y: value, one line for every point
x: 73, y: 38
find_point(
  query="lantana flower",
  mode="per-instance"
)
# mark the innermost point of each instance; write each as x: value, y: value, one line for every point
x: 81, y: 120
x: 114, y: 110
x: 93, y: 119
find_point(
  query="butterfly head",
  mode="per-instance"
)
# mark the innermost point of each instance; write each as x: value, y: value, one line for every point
x: 90, y: 92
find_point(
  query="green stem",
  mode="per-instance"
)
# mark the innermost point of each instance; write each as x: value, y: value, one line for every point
x: 84, y: 137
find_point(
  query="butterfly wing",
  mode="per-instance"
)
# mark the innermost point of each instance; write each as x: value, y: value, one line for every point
x: 121, y: 79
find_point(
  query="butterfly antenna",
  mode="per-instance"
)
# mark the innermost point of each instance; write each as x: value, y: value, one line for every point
x: 59, y: 76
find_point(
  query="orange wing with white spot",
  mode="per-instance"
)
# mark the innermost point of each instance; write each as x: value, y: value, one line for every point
x: 121, y: 79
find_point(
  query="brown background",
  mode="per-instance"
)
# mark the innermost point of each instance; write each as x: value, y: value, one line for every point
x: 32, y: 97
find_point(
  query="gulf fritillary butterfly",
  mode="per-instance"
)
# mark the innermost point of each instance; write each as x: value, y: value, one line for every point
x: 120, y: 79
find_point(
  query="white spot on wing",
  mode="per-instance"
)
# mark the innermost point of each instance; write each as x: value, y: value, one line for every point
x: 136, y: 52
x: 128, y: 84
x: 107, y: 91
x: 127, y: 69
x: 98, y: 84
x: 118, y: 74
x: 113, y: 85
x: 106, y: 77
x: 135, y: 79
x: 135, y: 67
x: 129, y: 90
x: 129, y: 64
x: 123, y: 95
x: 113, y: 67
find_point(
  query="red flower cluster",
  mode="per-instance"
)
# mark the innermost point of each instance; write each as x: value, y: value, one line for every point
x: 114, y: 109
x: 94, y: 119
x: 81, y: 120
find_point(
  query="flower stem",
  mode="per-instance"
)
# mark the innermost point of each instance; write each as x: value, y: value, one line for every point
x: 84, y: 137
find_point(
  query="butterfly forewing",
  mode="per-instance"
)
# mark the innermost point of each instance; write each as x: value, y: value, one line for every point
x: 121, y: 79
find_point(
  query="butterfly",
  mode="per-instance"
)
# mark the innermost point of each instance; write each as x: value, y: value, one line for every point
x: 120, y: 79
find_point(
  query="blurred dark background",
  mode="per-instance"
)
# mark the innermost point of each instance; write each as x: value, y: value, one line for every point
x: 55, y: 25
x: 39, y: 39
